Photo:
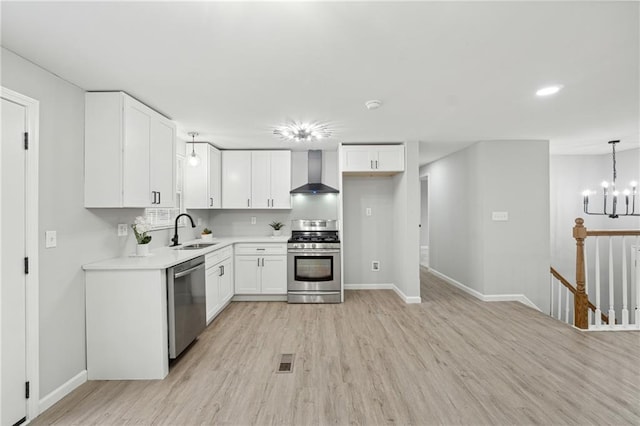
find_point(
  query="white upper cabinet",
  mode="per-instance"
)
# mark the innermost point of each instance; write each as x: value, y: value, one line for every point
x: 256, y: 179
x: 203, y: 182
x: 236, y: 179
x: 130, y: 158
x: 373, y: 158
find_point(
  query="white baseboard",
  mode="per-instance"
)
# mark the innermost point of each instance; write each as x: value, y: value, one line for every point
x: 384, y: 286
x: 259, y: 298
x: 488, y: 297
x: 65, y: 389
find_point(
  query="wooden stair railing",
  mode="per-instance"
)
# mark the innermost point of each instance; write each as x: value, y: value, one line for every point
x: 572, y: 289
x: 581, y: 301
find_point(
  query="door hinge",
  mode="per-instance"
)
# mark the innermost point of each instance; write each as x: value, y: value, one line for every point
x: 26, y: 265
x: 26, y: 390
x: 26, y: 140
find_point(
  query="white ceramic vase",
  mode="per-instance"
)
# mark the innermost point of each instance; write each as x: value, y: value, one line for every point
x: 142, y: 250
x: 277, y: 232
x: 207, y: 237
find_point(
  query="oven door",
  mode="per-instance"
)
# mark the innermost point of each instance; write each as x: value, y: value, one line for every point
x: 313, y: 270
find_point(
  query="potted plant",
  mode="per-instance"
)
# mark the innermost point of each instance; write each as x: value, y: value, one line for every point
x: 140, y: 229
x: 206, y: 235
x: 277, y: 228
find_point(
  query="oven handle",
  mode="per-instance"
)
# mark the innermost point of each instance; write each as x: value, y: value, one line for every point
x: 313, y: 251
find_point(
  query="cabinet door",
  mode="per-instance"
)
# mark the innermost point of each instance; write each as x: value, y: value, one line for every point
x: 260, y: 180
x: 214, y: 301
x: 247, y: 269
x: 137, y: 133
x: 390, y: 158
x: 215, y: 181
x: 236, y: 179
x: 162, y: 159
x: 356, y: 158
x: 226, y: 281
x: 274, y: 274
x: 196, y: 191
x: 280, y: 166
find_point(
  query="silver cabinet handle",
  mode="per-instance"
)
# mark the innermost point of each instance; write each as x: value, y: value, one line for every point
x: 248, y: 202
x: 258, y: 262
x: 153, y: 194
x: 372, y: 164
x: 221, y: 268
x: 263, y: 262
x: 261, y: 249
x: 159, y: 197
x: 211, y: 202
x: 376, y: 164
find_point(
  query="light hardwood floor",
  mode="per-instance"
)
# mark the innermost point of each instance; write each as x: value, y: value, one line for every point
x: 374, y: 360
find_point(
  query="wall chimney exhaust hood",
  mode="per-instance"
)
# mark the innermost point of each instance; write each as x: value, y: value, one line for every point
x: 315, y: 185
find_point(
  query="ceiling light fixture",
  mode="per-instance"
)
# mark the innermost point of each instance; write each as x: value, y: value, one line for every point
x: 373, y: 104
x: 611, y: 188
x: 549, y: 90
x: 296, y: 131
x: 194, y: 160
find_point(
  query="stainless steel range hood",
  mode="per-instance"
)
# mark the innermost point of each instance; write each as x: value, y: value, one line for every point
x: 315, y: 185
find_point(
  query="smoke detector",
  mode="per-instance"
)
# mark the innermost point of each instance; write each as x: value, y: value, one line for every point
x: 373, y: 104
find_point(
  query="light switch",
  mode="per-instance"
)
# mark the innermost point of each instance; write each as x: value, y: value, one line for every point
x: 123, y: 230
x: 253, y: 220
x: 50, y: 239
x: 368, y: 211
x: 500, y: 216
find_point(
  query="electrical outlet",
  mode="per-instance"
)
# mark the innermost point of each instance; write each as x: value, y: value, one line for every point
x: 199, y: 221
x: 123, y: 230
x: 500, y: 216
x: 375, y: 265
x: 50, y: 239
x: 368, y: 211
x: 253, y: 220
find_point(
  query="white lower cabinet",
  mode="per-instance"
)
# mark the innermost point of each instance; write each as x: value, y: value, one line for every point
x: 261, y: 269
x: 219, y: 281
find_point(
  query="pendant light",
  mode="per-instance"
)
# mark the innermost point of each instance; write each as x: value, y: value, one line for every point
x: 194, y: 160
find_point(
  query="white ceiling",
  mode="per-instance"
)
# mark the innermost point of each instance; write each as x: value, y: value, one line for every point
x: 449, y: 74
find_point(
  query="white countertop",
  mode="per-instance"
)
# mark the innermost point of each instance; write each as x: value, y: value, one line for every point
x: 166, y: 257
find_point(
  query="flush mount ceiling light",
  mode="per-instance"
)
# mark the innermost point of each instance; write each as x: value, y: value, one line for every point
x: 373, y: 104
x: 610, y: 189
x: 549, y: 90
x: 194, y: 160
x: 296, y: 131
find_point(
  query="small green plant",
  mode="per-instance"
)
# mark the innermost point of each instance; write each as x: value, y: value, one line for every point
x: 140, y: 229
x: 277, y: 225
x: 206, y: 231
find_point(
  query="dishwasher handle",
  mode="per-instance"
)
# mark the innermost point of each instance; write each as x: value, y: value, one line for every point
x: 188, y: 271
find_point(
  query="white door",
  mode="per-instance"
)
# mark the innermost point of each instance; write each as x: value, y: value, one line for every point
x: 13, y: 369
x: 247, y: 271
x: 226, y: 281
x: 260, y: 180
x: 274, y: 275
x: 357, y: 158
x: 162, y: 156
x: 212, y: 290
x: 236, y: 179
x: 389, y: 158
x: 196, y: 191
x: 281, y: 179
x: 137, y: 133
x: 215, y: 190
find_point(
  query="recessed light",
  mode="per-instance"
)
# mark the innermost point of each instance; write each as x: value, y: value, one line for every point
x: 549, y: 90
x: 373, y: 104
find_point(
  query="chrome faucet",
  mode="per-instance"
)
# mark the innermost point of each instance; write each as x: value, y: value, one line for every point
x: 175, y: 236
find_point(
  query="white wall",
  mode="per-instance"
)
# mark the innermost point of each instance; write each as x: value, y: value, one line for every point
x: 83, y: 235
x: 368, y: 238
x: 493, y: 258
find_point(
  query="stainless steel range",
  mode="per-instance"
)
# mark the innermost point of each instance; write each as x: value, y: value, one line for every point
x: 313, y: 274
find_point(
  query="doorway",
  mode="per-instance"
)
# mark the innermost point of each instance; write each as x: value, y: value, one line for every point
x: 424, y: 221
x: 19, y: 259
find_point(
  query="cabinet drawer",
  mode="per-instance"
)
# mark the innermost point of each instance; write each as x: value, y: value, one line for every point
x: 261, y: 249
x: 218, y: 256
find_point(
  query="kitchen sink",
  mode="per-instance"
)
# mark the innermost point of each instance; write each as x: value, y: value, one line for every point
x: 196, y: 246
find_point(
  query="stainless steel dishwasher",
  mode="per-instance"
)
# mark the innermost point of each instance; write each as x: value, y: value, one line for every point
x: 186, y: 304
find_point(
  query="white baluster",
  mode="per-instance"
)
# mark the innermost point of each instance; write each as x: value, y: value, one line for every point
x: 612, y: 312
x: 559, y: 300
x: 551, y: 297
x: 625, y: 311
x: 566, y: 305
x: 598, y: 313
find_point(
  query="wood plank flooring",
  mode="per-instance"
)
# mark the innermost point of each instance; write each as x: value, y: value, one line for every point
x: 376, y: 360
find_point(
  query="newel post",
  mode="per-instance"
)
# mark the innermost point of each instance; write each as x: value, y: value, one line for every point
x: 581, y: 301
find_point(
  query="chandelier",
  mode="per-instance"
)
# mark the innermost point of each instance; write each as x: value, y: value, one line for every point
x: 611, y: 196
x: 296, y: 131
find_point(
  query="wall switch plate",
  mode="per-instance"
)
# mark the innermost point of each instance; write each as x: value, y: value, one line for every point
x: 50, y: 239
x: 500, y: 216
x: 253, y: 220
x: 368, y: 211
x: 375, y: 265
x: 123, y: 230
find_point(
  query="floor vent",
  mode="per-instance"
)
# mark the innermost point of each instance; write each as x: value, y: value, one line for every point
x: 286, y: 364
